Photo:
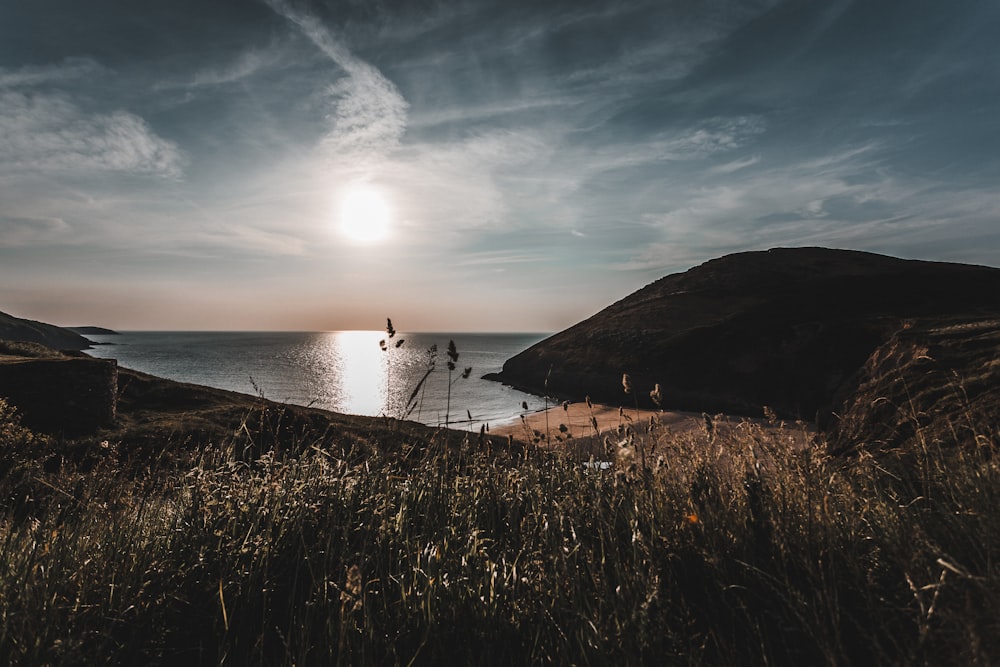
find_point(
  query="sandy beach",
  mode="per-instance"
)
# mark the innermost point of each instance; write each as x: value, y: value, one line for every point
x: 579, y: 420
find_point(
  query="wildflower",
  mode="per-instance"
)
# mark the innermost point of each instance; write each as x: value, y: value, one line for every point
x: 691, y: 519
x: 350, y: 595
x: 770, y: 415
x: 656, y: 395
x: 452, y: 358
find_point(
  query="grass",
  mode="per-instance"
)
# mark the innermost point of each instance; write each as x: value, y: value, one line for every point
x: 725, y: 548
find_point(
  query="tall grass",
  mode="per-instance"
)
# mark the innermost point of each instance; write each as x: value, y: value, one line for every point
x: 729, y: 549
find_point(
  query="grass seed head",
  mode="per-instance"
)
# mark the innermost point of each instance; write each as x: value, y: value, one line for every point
x: 656, y: 396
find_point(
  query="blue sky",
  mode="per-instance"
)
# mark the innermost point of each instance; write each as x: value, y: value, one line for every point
x: 180, y: 165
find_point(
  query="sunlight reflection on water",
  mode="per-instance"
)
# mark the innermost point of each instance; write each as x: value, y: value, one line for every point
x: 362, y: 365
x: 344, y: 371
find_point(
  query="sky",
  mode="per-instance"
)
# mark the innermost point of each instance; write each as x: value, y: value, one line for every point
x: 181, y: 164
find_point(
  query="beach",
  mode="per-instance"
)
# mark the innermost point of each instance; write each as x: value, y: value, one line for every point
x: 579, y: 419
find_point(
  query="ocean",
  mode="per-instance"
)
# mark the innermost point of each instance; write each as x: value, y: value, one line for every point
x: 343, y: 371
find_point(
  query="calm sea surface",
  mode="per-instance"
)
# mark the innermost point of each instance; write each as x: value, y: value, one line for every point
x: 344, y: 371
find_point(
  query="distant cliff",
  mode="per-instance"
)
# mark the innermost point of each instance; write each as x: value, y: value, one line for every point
x: 29, y: 331
x: 93, y: 331
x: 787, y: 328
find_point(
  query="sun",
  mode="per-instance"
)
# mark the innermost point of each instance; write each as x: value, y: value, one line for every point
x: 365, y: 215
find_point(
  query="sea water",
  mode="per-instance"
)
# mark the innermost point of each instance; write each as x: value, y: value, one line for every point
x: 343, y: 371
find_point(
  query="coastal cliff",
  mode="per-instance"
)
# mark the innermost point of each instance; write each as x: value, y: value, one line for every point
x: 29, y: 331
x: 787, y: 328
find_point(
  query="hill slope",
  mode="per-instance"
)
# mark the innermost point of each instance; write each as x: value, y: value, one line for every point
x: 29, y: 331
x: 785, y: 328
x: 931, y: 384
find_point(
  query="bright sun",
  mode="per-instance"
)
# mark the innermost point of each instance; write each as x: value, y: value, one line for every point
x: 365, y: 216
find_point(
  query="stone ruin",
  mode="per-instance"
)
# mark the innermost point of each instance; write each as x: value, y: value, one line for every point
x: 59, y: 393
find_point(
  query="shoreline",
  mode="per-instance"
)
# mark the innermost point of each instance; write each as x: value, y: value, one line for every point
x: 579, y: 418
x: 576, y: 416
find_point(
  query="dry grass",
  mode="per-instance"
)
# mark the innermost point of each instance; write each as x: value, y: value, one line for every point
x: 721, y: 547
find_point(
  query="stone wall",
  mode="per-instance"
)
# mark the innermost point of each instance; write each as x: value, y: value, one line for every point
x: 69, y: 395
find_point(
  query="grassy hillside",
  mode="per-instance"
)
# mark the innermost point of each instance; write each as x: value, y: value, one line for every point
x: 207, y: 527
x: 274, y: 545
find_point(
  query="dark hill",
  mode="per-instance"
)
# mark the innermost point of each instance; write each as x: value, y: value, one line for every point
x: 93, y: 331
x: 29, y: 331
x: 787, y: 328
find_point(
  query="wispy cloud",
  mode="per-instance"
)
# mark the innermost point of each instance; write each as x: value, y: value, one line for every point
x: 369, y: 116
x: 33, y: 75
x: 48, y: 132
x: 243, y: 66
x: 715, y: 135
x: 501, y: 258
x: 22, y: 231
x: 844, y: 199
x: 735, y: 165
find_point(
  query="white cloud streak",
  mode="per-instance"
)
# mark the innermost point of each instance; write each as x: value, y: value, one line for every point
x: 370, y: 113
x: 716, y: 135
x: 33, y: 75
x: 735, y: 165
x: 244, y: 66
x: 45, y: 132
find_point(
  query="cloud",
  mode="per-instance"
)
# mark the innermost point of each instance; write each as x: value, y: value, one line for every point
x: 847, y: 198
x: 735, y: 165
x: 500, y: 258
x: 33, y: 75
x: 713, y: 136
x: 369, y: 116
x: 47, y: 132
x: 474, y: 112
x: 22, y: 231
x: 716, y: 135
x: 475, y: 182
x: 242, y: 67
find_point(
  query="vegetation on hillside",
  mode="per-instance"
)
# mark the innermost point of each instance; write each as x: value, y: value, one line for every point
x: 729, y: 547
